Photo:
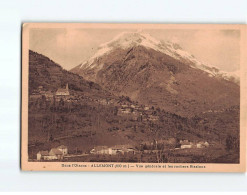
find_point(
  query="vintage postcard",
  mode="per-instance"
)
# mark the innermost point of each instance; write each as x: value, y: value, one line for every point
x: 133, y: 97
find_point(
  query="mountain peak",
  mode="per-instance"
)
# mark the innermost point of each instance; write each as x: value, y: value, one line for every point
x: 123, y: 40
x: 126, y: 40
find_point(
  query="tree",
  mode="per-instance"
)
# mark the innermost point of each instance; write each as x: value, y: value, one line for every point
x: 232, y: 143
x: 51, y: 138
x: 115, y: 112
x: 61, y: 102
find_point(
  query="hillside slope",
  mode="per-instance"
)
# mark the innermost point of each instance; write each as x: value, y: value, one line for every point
x: 92, y: 116
x: 44, y: 72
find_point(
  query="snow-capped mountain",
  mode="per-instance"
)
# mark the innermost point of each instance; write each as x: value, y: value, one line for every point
x: 128, y: 40
x: 159, y: 74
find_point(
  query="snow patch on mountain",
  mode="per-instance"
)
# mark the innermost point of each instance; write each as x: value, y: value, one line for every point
x: 127, y: 40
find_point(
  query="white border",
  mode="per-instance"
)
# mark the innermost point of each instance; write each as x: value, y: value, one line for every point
x: 14, y: 12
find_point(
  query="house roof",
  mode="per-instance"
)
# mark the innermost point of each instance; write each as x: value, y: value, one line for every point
x: 55, y: 151
x: 44, y: 153
x: 62, y: 147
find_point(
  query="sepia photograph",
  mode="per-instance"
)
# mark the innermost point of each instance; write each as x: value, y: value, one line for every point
x: 132, y: 97
x: 123, y: 96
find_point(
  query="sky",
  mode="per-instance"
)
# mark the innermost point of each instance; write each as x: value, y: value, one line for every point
x: 71, y: 47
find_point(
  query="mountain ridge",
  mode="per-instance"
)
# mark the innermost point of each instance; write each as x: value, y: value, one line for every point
x: 127, y: 40
x: 160, y: 80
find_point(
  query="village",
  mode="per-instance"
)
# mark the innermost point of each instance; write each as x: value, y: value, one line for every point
x: 61, y: 152
x: 41, y: 92
x: 124, y: 108
x: 66, y: 95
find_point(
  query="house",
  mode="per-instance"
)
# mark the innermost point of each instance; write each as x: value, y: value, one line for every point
x: 63, y: 149
x: 126, y: 110
x: 42, y: 155
x: 100, y: 150
x: 199, y: 145
x: 206, y: 144
x: 40, y: 88
x: 48, y: 94
x: 186, y: 144
x: 146, y: 108
x: 117, y: 149
x: 63, y: 92
x: 202, y: 144
x: 153, y: 118
x: 131, y: 150
x: 55, y: 154
x: 132, y: 106
x: 125, y: 105
x: 123, y: 149
x: 35, y: 96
